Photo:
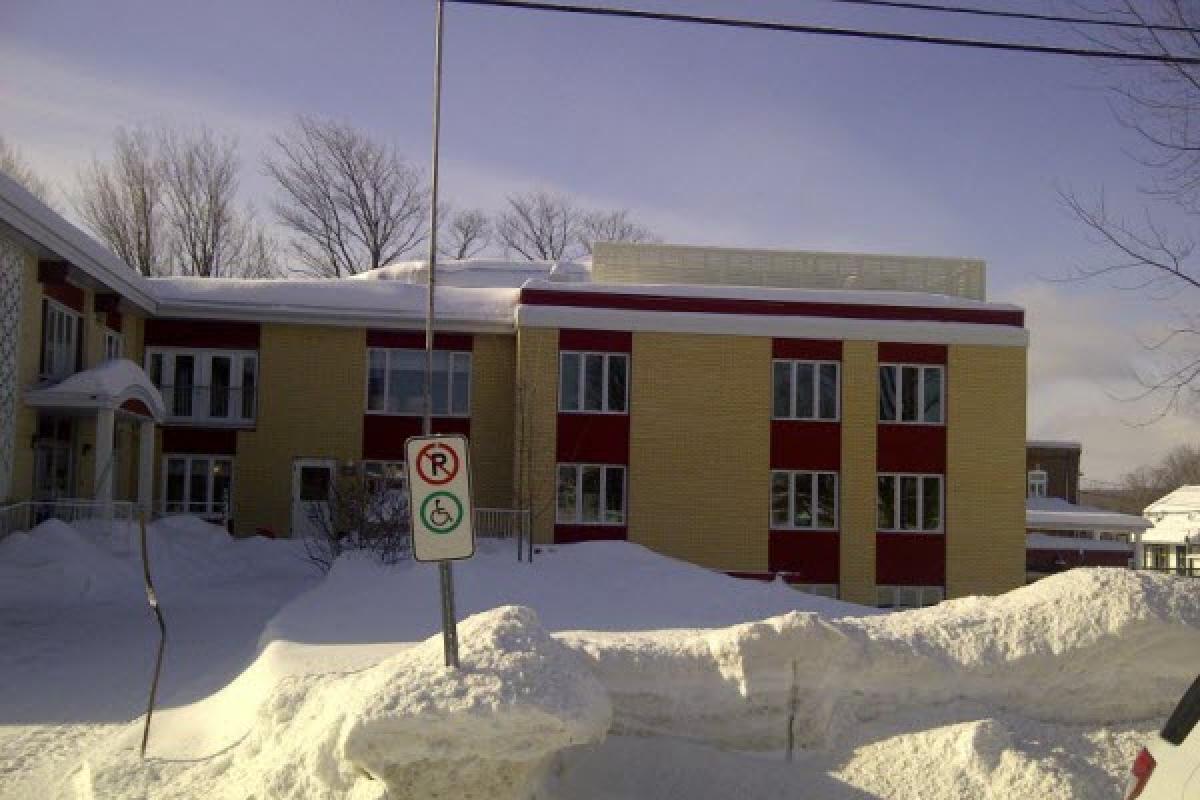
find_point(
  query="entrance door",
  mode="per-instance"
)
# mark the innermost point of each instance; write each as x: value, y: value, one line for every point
x: 54, y: 459
x: 312, y: 489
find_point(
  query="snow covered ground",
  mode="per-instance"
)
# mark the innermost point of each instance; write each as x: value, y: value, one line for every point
x: 280, y: 685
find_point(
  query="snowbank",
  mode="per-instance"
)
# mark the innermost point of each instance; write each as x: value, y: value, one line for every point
x: 55, y: 565
x: 407, y: 725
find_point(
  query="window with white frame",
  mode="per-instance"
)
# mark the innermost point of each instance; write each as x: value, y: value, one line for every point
x: 829, y: 590
x: 804, y: 500
x: 210, y: 386
x: 396, y: 382
x: 61, y: 329
x: 593, y: 382
x: 389, y: 480
x: 910, y: 503
x: 201, y: 485
x: 1038, y: 481
x: 804, y: 389
x: 590, y: 494
x: 114, y: 345
x: 902, y: 597
x: 911, y: 393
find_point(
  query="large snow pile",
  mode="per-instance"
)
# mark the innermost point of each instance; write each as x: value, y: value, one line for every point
x: 405, y: 728
x: 1083, y: 646
x: 55, y: 565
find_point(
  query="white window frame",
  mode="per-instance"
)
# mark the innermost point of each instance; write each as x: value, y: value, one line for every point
x: 114, y: 344
x: 922, y: 477
x: 209, y: 501
x: 895, y: 597
x: 56, y: 364
x: 202, y: 384
x: 829, y: 590
x: 795, y: 475
x: 1038, y: 483
x: 582, y: 390
x: 577, y: 519
x: 816, y: 399
x: 899, y: 394
x: 452, y: 356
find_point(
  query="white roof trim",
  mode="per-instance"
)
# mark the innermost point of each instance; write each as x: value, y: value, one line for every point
x: 31, y: 217
x: 107, y: 386
x: 918, y: 332
x: 1059, y: 515
x: 352, y: 318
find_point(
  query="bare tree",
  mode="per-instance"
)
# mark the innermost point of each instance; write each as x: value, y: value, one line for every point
x: 1160, y: 104
x: 14, y: 164
x: 360, y: 516
x: 353, y: 204
x: 123, y: 201
x: 611, y: 226
x: 466, y: 235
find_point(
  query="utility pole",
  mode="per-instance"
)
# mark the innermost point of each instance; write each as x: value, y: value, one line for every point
x: 445, y: 573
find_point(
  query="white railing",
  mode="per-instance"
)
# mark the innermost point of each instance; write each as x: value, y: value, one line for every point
x: 216, y: 513
x: 29, y: 514
x: 505, y: 523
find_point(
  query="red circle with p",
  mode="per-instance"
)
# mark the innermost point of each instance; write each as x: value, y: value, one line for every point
x: 437, y: 464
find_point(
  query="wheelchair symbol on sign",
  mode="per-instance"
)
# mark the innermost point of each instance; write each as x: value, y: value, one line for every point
x: 441, y: 512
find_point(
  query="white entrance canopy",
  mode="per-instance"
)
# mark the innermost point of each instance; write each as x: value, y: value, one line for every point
x: 1056, y: 514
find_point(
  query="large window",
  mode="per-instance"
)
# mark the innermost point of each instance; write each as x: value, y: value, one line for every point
x: 61, y: 331
x: 902, y: 597
x: 114, y: 345
x: 591, y: 494
x: 911, y: 393
x: 805, y: 389
x: 396, y: 382
x: 804, y: 500
x: 910, y: 503
x: 1038, y: 480
x: 593, y: 382
x: 208, y: 386
x: 201, y: 485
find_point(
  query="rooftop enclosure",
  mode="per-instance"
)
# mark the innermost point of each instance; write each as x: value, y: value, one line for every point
x: 614, y: 262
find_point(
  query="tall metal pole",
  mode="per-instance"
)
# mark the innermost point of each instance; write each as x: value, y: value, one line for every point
x: 445, y: 574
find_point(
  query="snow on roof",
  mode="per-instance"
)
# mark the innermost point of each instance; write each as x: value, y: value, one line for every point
x: 1056, y: 514
x: 1054, y: 444
x: 1182, y: 500
x: 379, y: 302
x: 879, y: 297
x: 105, y: 386
x: 1044, y: 541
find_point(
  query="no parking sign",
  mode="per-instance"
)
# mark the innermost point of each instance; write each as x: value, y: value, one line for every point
x: 439, y: 487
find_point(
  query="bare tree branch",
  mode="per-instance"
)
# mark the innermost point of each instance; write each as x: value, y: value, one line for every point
x: 466, y: 235
x: 14, y: 164
x: 611, y: 226
x: 541, y: 226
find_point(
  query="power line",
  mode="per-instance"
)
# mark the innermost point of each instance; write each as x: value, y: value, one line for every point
x: 1025, y: 15
x: 784, y: 27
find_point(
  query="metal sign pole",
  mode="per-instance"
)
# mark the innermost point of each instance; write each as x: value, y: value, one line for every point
x: 445, y: 574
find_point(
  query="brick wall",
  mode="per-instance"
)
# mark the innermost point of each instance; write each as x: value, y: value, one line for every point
x: 860, y: 414
x: 535, y: 411
x: 699, y: 467
x: 493, y: 366
x: 985, y: 476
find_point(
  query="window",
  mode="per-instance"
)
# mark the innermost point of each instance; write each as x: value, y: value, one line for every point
x: 829, y: 590
x: 911, y: 393
x: 396, y: 382
x: 209, y: 386
x: 201, y: 485
x: 61, y: 330
x: 910, y: 503
x: 593, y: 382
x: 387, y: 478
x: 804, y: 500
x: 1037, y: 482
x: 114, y: 345
x: 901, y: 597
x: 591, y: 494
x: 804, y: 389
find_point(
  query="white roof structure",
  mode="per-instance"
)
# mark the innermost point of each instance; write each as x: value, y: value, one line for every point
x: 1053, y: 444
x: 1056, y: 514
x: 1043, y: 541
x: 107, y: 386
x: 1176, y: 517
x: 1183, y: 500
x: 480, y: 272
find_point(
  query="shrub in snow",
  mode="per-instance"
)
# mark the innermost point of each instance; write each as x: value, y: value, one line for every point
x: 360, y: 516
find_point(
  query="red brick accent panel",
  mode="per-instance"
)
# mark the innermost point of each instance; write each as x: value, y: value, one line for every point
x: 726, y: 305
x: 114, y: 320
x: 911, y: 448
x: 805, y: 444
x: 415, y: 340
x: 814, y: 349
x: 900, y: 352
x: 1044, y: 560
x: 215, y: 441
x: 135, y: 406
x: 202, y: 333
x: 910, y: 559
x: 811, y: 556
x: 570, y: 534
x: 104, y: 302
x: 596, y: 341
x: 384, y: 434
x: 70, y: 296
x: 592, y: 438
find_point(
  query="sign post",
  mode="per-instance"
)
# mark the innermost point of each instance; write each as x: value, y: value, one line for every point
x: 443, y: 530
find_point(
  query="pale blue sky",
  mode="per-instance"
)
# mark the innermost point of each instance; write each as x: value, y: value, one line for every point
x: 710, y: 136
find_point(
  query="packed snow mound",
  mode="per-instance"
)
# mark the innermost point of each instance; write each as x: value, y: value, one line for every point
x: 1067, y: 649
x: 54, y: 565
x: 409, y: 727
